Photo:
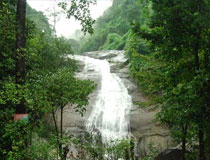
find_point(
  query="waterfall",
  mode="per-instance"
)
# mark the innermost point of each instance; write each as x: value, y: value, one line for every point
x: 110, y: 114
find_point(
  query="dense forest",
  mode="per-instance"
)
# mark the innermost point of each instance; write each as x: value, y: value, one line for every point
x: 34, y: 82
x: 167, y: 43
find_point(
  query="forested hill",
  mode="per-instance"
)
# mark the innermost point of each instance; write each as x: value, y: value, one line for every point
x: 39, y: 19
x: 113, y: 27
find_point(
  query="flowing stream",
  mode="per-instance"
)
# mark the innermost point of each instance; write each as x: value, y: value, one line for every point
x: 110, y: 114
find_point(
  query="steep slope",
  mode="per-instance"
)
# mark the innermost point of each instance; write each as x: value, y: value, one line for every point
x: 113, y: 28
x: 39, y: 19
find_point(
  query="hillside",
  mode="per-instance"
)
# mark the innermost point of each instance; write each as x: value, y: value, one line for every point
x: 112, y: 29
x: 39, y: 19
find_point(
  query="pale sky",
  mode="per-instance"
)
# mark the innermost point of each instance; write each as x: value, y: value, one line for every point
x: 66, y: 27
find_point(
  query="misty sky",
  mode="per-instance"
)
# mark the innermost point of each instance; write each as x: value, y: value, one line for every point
x: 66, y: 27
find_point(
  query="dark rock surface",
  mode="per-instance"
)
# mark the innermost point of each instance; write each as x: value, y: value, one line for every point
x: 170, y: 154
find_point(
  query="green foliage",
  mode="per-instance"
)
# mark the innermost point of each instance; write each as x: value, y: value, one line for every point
x: 45, y: 62
x: 121, y: 149
x: 80, y: 11
x: 39, y: 20
x: 60, y: 93
x: 13, y: 134
x: 167, y: 43
x: 75, y: 45
x: 147, y: 72
x: 91, y: 147
x: 113, y: 40
x: 63, y: 88
x: 176, y: 71
x: 7, y: 42
x: 153, y: 152
x: 112, y: 29
x: 63, y: 46
x: 41, y: 149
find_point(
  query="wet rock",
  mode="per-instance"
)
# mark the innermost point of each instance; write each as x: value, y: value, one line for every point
x: 114, y: 68
x: 100, y: 54
x: 108, y: 56
x: 76, y: 131
x: 91, y: 70
x: 170, y: 154
x: 143, y: 125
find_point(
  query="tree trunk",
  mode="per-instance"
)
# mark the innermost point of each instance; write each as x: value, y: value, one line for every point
x: 61, y: 134
x: 20, y: 53
x: 61, y: 127
x: 206, y: 60
x: 20, y: 42
x: 201, y: 132
x: 201, y: 143
x: 184, y: 130
x: 197, y: 66
x: 196, y: 51
x: 132, y: 149
x: 127, y: 157
x: 56, y: 130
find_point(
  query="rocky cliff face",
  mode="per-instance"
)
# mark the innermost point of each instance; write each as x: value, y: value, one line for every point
x: 143, y: 126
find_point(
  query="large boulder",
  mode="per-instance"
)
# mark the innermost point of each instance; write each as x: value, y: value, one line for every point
x: 170, y: 154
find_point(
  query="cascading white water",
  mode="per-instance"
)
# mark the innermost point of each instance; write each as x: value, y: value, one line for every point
x: 110, y: 114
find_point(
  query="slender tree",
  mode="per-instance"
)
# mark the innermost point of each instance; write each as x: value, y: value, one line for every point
x: 20, y: 49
